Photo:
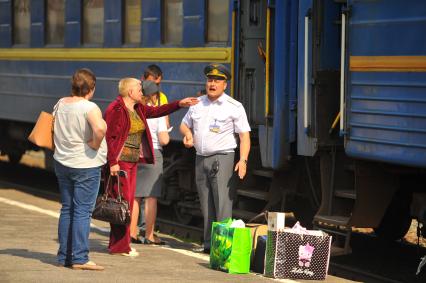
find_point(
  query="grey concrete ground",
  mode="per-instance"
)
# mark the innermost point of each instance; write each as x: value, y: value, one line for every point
x: 28, y: 233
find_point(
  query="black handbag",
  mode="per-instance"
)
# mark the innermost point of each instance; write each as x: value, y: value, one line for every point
x: 110, y: 209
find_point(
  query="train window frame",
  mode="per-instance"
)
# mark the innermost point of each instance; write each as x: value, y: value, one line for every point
x: 123, y: 26
x: 53, y: 45
x: 163, y: 25
x: 14, y: 44
x: 83, y: 29
x: 212, y: 43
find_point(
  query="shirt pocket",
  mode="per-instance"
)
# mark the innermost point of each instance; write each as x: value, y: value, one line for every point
x: 221, y: 121
x: 196, y: 119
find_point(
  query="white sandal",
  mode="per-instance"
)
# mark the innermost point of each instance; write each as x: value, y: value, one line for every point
x: 90, y: 265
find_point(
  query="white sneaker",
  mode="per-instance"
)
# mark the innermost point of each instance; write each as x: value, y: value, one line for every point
x: 132, y: 253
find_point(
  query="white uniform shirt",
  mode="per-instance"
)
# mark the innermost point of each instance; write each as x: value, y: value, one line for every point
x: 156, y: 125
x: 215, y: 123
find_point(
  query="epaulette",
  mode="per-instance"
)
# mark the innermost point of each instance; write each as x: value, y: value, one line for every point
x: 233, y: 101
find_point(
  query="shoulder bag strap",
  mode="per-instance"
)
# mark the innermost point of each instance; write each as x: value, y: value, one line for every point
x: 109, y: 185
x: 55, y: 108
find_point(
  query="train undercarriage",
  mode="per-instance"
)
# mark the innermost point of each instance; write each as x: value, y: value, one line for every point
x: 330, y: 191
x: 13, y: 141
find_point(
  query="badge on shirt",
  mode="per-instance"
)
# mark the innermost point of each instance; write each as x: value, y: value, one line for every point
x: 214, y: 128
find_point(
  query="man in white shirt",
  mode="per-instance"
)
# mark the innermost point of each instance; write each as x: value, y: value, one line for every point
x: 210, y: 126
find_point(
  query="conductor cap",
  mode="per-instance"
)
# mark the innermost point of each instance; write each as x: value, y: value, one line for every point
x: 217, y: 71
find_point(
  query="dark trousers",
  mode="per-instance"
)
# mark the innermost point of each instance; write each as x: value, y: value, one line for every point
x: 119, y: 237
x: 215, y: 189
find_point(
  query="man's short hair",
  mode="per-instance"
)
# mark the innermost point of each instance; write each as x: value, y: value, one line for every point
x: 152, y: 70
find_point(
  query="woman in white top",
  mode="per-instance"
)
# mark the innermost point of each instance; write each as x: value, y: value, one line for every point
x: 149, y: 177
x: 80, y: 151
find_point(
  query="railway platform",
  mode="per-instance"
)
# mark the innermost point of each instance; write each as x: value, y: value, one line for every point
x: 28, y: 229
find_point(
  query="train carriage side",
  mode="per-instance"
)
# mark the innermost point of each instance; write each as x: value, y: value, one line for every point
x: 286, y: 58
x: 43, y: 42
x: 287, y: 63
x: 386, y: 101
x: 371, y: 172
x: 385, y: 113
x: 382, y: 118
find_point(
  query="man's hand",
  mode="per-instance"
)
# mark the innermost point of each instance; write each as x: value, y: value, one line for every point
x: 114, y: 169
x: 189, y: 101
x: 244, y: 152
x: 241, y: 167
x: 188, y: 140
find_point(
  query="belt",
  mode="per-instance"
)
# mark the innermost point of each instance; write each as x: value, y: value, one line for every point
x: 217, y: 153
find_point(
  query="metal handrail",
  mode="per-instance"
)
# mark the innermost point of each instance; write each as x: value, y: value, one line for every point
x: 342, y: 75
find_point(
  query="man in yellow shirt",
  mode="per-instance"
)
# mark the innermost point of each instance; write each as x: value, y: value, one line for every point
x: 154, y: 73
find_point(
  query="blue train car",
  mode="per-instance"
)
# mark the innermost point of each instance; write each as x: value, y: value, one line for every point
x: 381, y: 110
x: 384, y: 102
x: 334, y: 92
x: 386, y: 113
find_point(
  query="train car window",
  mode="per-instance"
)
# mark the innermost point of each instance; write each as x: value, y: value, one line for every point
x: 173, y: 21
x: 218, y: 20
x: 93, y: 21
x: 132, y: 24
x: 21, y: 22
x: 55, y: 21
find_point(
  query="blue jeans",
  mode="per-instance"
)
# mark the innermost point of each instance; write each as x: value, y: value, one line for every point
x: 79, y: 189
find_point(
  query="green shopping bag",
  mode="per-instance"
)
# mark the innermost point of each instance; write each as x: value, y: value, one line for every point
x: 230, y: 248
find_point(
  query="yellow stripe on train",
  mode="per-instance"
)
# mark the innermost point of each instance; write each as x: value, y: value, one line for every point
x: 207, y: 54
x: 387, y: 63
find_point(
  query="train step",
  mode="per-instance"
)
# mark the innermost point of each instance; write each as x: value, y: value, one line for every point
x: 263, y: 173
x: 336, y: 251
x: 332, y: 220
x: 349, y: 194
x: 252, y: 193
x: 339, y: 227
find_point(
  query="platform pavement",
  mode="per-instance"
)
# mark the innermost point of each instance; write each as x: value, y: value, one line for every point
x: 28, y: 230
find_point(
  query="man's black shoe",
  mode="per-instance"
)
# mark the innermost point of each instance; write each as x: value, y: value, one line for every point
x: 149, y: 242
x: 206, y: 251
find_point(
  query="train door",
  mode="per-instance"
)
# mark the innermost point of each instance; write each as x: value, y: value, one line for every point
x: 267, y: 33
x: 266, y: 51
x: 318, y: 76
x: 251, y: 60
x: 318, y: 140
